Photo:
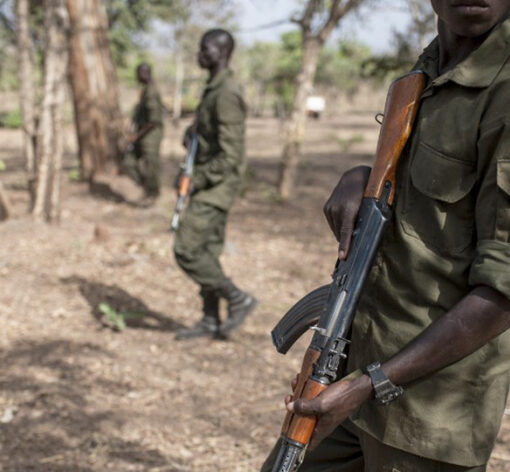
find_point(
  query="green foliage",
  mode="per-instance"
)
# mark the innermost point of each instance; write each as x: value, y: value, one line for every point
x: 3, y: 167
x: 385, y: 68
x: 117, y: 320
x: 129, y: 18
x: 341, y: 66
x: 74, y: 175
x: 275, y: 66
x: 189, y: 103
x: 12, y: 119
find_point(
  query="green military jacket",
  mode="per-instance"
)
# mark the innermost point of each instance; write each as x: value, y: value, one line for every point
x: 449, y: 233
x: 149, y: 110
x: 219, y: 166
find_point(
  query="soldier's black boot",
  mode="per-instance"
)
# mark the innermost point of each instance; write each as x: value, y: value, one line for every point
x: 208, y: 325
x: 240, y: 305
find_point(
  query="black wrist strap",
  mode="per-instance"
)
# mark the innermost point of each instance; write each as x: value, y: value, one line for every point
x: 385, y: 390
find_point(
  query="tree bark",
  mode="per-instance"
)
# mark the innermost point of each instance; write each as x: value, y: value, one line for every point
x: 26, y: 91
x: 313, y: 41
x: 5, y: 205
x: 179, y: 79
x: 94, y: 85
x: 296, y: 126
x: 49, y: 142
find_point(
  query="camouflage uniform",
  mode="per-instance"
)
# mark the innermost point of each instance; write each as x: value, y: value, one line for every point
x: 143, y: 163
x: 217, y: 179
x: 449, y: 233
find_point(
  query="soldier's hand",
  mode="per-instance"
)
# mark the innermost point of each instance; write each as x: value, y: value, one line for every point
x: 333, y: 406
x: 186, y: 139
x: 342, y: 207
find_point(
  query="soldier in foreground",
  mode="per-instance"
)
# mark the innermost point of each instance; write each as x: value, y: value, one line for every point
x: 434, y: 314
x: 217, y: 179
x: 142, y: 163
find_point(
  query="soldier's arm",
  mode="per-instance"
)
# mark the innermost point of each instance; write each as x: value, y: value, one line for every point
x: 230, y: 116
x: 153, y: 104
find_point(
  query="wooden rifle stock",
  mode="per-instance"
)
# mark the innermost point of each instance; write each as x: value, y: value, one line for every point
x: 400, y: 112
x: 184, y: 186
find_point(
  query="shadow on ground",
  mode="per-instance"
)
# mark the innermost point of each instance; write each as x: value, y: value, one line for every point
x: 121, y: 301
x: 53, y: 427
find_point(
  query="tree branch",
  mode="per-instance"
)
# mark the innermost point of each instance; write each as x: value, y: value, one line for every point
x: 306, y: 19
x: 338, y: 10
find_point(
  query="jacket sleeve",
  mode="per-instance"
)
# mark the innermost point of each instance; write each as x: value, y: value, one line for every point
x: 492, y: 212
x: 230, y: 115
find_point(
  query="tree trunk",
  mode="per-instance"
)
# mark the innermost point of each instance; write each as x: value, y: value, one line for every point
x: 5, y: 205
x: 95, y: 89
x: 49, y: 142
x: 179, y: 79
x: 26, y: 91
x: 296, y: 126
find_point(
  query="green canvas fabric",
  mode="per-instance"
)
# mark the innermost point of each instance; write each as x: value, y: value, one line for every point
x: 350, y: 449
x: 199, y: 242
x: 450, y: 232
x: 219, y: 166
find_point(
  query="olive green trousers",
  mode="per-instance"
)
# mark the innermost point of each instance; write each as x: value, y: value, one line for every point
x: 199, y: 243
x: 143, y: 164
x: 349, y: 449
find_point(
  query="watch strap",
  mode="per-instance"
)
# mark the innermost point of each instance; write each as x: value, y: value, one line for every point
x: 385, y: 390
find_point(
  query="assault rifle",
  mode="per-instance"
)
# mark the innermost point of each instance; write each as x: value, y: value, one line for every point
x: 329, y: 310
x: 184, y: 183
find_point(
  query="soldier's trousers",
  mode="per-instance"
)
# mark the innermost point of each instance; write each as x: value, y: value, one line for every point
x: 350, y: 449
x: 143, y: 163
x: 199, y: 242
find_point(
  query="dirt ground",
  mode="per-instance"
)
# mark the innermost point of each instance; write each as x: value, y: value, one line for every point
x: 76, y: 396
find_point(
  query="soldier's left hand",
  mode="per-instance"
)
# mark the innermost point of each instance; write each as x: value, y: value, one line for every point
x: 333, y: 406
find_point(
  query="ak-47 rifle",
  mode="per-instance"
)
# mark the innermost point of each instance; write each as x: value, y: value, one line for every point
x: 330, y: 309
x: 184, y: 184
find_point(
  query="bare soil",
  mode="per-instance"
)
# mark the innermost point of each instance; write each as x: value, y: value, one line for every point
x: 77, y: 396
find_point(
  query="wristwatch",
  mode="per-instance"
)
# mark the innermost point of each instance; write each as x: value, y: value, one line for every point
x: 385, y: 390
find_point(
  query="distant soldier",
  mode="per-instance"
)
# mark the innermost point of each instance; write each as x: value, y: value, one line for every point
x: 217, y: 179
x: 142, y: 163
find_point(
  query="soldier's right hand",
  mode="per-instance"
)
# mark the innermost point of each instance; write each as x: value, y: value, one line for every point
x: 342, y: 207
x: 186, y: 139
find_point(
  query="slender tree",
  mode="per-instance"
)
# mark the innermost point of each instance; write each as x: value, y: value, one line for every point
x: 26, y: 90
x: 318, y: 20
x: 49, y: 142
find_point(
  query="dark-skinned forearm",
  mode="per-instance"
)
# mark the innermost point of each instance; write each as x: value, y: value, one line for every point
x: 479, y: 317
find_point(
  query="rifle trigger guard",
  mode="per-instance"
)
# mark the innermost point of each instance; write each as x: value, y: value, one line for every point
x: 379, y: 118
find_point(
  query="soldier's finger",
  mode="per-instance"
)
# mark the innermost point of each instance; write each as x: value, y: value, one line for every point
x: 345, y: 241
x: 305, y: 407
x: 294, y: 382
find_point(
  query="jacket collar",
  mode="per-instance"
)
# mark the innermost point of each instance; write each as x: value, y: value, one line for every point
x: 479, y: 69
x: 218, y: 79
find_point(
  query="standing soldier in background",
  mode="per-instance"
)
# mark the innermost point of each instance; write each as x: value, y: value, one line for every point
x: 217, y: 179
x: 142, y: 162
